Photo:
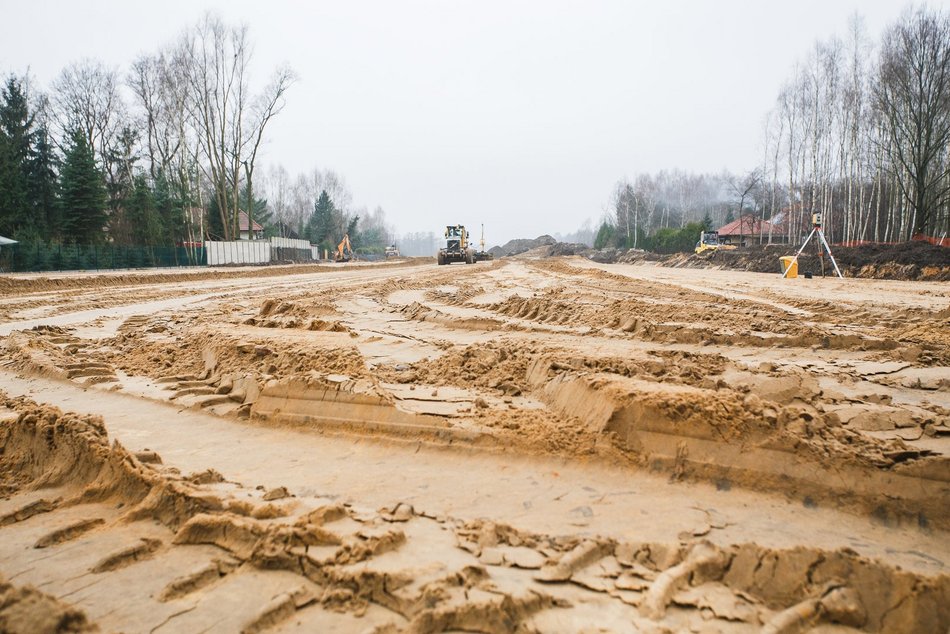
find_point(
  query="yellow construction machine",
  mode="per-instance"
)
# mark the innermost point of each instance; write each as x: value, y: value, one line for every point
x: 344, y: 251
x: 709, y: 241
x: 457, y: 247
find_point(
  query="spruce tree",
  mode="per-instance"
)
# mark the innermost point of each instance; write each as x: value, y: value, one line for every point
x: 83, y: 193
x: 15, y: 125
x: 170, y: 208
x: 42, y: 186
x: 321, y: 222
x: 352, y: 230
x: 142, y: 214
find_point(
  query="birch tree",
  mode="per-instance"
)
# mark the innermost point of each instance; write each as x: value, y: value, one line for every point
x: 229, y: 120
x: 913, y: 95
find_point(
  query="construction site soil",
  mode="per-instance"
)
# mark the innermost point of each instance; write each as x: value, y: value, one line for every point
x: 533, y: 444
x: 905, y: 261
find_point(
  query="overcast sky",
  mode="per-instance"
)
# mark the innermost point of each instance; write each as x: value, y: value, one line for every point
x: 521, y: 115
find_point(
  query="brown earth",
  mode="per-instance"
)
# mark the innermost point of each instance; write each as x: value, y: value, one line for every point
x: 914, y: 260
x: 520, y: 445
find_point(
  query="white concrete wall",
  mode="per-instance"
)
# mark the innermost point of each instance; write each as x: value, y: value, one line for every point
x: 238, y: 252
x: 290, y: 243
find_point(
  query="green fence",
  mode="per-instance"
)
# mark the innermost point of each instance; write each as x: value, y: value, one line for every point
x: 22, y: 257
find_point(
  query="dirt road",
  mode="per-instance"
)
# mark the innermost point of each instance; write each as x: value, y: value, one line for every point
x: 533, y: 445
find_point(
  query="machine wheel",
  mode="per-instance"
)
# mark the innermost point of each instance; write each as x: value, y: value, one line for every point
x: 441, y: 259
x: 469, y: 257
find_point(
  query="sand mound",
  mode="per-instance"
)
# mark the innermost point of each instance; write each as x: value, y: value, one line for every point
x: 45, y: 448
x: 26, y: 610
x: 521, y: 245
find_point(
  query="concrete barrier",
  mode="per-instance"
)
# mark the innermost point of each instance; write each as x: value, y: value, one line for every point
x: 238, y: 252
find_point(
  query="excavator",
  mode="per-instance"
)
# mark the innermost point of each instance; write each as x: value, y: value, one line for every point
x: 344, y: 251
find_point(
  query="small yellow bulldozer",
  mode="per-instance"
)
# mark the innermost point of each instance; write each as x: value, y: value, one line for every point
x: 709, y: 241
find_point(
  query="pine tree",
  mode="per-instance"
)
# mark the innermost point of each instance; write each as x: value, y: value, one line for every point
x: 83, y: 193
x: 8, y: 186
x: 170, y: 208
x: 42, y: 186
x: 352, y: 230
x: 15, y: 125
x: 605, y: 235
x: 321, y: 222
x: 142, y: 215
x: 118, y: 163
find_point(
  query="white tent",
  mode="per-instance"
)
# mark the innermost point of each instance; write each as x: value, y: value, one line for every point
x: 5, y: 242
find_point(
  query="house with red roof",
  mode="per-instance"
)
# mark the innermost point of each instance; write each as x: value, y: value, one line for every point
x: 245, y: 234
x: 749, y: 229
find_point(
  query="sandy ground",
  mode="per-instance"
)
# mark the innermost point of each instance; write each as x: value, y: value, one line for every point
x: 544, y: 445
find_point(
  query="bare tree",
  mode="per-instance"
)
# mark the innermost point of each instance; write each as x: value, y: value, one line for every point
x: 623, y: 203
x: 279, y: 197
x: 913, y: 95
x: 742, y: 188
x: 230, y: 123
x: 161, y: 94
x: 86, y: 98
x: 268, y: 105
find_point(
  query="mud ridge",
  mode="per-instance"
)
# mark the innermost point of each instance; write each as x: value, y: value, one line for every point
x: 486, y: 576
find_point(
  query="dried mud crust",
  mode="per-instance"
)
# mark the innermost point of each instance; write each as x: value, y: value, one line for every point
x: 296, y: 359
x: 301, y: 563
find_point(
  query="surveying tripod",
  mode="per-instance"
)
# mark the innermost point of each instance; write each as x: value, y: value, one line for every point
x: 815, y: 229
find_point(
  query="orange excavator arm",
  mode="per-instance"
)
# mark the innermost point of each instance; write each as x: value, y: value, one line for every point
x: 344, y: 247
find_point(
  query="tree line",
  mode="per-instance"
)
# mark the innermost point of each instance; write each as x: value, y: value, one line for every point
x: 318, y: 206
x: 860, y: 133
x: 165, y: 153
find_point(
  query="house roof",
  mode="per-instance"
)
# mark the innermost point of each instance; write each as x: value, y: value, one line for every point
x: 750, y: 225
x: 242, y: 222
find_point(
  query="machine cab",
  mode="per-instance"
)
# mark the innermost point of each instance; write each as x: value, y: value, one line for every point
x: 455, y: 237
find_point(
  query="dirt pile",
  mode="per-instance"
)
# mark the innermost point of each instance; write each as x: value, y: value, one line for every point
x: 905, y: 261
x: 521, y: 245
x: 310, y: 316
x: 567, y: 248
x: 44, y: 448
